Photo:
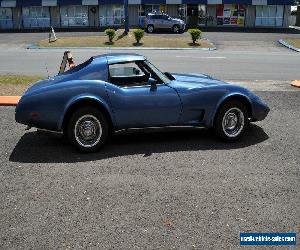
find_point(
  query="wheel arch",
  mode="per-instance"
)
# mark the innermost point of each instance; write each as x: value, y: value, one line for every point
x: 239, y: 97
x: 85, y: 101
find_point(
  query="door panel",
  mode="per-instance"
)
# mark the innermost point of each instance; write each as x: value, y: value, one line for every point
x: 144, y: 106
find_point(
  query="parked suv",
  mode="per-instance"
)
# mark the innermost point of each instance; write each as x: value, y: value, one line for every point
x: 155, y: 21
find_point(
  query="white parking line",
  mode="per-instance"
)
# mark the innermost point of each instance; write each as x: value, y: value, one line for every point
x: 203, y: 57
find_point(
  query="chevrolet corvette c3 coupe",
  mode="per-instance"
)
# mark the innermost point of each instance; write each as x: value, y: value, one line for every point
x: 114, y: 92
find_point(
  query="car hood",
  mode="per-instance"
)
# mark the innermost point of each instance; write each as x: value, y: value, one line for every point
x: 197, y: 80
x: 177, y: 20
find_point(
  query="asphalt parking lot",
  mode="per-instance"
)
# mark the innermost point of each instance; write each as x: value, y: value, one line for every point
x: 174, y: 189
x: 168, y: 190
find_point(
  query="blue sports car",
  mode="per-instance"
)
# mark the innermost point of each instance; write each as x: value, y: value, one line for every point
x: 114, y: 92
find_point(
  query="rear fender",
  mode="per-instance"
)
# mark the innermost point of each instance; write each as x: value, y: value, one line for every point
x: 84, y: 98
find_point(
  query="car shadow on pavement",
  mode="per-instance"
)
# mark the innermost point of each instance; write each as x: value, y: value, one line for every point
x: 42, y: 147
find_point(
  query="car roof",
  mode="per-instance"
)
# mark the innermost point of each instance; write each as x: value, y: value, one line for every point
x: 119, y: 57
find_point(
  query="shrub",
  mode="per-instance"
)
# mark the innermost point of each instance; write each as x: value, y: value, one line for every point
x: 195, y: 34
x: 111, y: 33
x: 138, y: 34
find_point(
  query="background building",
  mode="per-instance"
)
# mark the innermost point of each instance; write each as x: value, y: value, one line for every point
x: 32, y: 14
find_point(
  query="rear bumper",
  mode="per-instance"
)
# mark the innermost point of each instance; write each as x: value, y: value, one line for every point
x: 33, y: 114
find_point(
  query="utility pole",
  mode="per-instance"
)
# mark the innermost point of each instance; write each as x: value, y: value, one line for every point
x: 126, y: 16
x: 298, y: 15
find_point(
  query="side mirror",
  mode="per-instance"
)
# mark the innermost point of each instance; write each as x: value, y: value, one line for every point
x: 136, y: 71
x: 153, y: 83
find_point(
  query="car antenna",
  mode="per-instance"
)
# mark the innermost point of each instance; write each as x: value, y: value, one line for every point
x: 47, y: 70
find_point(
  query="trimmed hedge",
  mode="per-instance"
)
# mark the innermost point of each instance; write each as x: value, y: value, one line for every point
x: 138, y: 35
x: 111, y: 33
x: 195, y: 34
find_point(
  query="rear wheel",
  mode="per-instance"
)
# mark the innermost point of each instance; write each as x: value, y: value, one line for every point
x: 87, y: 129
x: 231, y: 121
x: 150, y: 28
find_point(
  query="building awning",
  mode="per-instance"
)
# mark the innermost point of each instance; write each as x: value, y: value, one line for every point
x: 237, y: 2
x: 8, y: 3
x: 280, y: 2
x: 111, y: 1
x: 69, y: 2
x: 49, y: 2
x: 194, y: 1
x: 90, y: 2
x: 134, y: 1
x: 26, y: 3
x: 22, y: 3
x: 153, y: 1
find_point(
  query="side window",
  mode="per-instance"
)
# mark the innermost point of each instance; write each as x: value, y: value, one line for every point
x: 125, y: 70
x: 128, y: 74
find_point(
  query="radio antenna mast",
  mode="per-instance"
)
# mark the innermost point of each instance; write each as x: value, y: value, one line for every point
x: 47, y: 70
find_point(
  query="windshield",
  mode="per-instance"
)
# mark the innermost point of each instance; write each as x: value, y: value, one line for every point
x: 156, y: 71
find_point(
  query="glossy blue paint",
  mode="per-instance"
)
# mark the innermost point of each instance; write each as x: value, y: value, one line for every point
x: 185, y: 100
x: 144, y: 106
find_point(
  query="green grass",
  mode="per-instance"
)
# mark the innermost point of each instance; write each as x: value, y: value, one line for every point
x: 16, y: 84
x: 294, y: 42
x: 162, y: 41
x: 18, y: 79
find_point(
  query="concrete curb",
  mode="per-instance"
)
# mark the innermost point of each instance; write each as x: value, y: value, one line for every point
x: 294, y: 27
x: 33, y: 46
x: 9, y: 100
x: 286, y: 44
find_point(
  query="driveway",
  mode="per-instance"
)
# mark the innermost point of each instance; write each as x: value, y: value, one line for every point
x: 246, y: 41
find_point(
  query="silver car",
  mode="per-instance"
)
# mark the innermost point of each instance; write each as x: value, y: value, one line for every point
x: 155, y: 21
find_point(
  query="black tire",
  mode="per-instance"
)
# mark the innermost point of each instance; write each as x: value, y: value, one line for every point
x: 87, y: 129
x: 176, y: 29
x: 231, y: 121
x: 150, y: 28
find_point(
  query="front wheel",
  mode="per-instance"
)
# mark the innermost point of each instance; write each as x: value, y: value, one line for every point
x: 176, y: 29
x: 150, y: 28
x: 232, y: 120
x: 87, y: 129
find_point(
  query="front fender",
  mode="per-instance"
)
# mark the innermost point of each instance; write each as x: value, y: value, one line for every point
x: 224, y: 99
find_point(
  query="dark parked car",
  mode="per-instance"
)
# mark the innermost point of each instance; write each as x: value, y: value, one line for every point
x: 163, y: 22
x: 114, y: 92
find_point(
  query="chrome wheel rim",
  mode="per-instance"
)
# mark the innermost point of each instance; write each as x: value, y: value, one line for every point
x: 88, y: 131
x: 233, y: 122
x: 175, y: 29
x: 150, y: 29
